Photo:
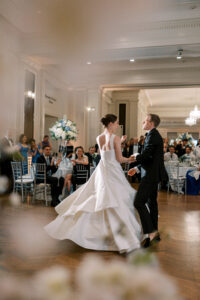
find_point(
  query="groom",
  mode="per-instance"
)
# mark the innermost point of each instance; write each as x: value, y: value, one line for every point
x: 152, y: 171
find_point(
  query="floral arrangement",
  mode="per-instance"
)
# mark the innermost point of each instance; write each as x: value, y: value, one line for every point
x: 64, y: 130
x: 183, y: 136
x: 96, y: 279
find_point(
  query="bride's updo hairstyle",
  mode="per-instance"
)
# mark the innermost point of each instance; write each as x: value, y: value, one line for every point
x: 109, y: 118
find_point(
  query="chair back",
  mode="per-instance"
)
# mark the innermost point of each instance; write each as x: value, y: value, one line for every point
x: 16, y: 170
x: 40, y: 172
x: 80, y: 167
x: 81, y: 176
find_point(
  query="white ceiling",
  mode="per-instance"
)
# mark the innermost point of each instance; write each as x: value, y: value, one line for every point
x: 62, y: 35
x: 173, y: 97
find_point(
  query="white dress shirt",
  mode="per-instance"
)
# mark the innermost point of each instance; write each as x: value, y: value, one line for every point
x: 170, y: 157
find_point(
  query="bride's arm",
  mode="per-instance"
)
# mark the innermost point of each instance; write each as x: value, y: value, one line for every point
x: 118, y: 151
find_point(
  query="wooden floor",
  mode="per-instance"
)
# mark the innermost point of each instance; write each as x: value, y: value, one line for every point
x: 178, y: 252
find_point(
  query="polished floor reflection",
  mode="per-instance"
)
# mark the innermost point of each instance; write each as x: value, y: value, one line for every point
x: 25, y: 248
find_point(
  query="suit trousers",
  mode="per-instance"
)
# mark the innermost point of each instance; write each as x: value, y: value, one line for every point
x: 146, y: 205
x: 56, y: 186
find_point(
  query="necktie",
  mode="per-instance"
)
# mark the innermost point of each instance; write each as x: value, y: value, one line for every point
x: 48, y: 161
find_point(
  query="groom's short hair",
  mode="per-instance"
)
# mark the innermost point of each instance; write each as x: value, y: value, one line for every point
x: 155, y: 119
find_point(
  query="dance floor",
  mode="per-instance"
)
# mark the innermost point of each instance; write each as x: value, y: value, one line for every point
x: 178, y: 252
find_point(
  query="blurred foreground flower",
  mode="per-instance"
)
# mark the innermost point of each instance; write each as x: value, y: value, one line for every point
x: 15, y: 199
x: 3, y: 184
x: 52, y: 284
x: 95, y: 279
x: 116, y: 280
x: 28, y: 236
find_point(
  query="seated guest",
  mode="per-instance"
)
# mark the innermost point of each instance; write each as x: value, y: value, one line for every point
x: 188, y: 156
x: 6, y: 146
x: 91, y: 155
x: 165, y: 148
x: 35, y: 150
x: 45, y: 142
x: 171, y: 155
x: 56, y: 184
x: 80, y: 159
x: 196, y: 152
x: 133, y: 148
x: 24, y: 150
x: 180, y: 148
x: 97, y: 159
x: 141, y: 144
x: 96, y: 146
x: 69, y: 148
x: 124, y: 149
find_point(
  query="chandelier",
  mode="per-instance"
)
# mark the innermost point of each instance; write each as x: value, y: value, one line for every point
x: 190, y: 121
x: 195, y: 114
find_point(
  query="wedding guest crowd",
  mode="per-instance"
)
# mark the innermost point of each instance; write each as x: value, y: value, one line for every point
x: 70, y: 159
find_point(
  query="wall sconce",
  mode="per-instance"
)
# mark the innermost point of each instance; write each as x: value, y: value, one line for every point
x: 179, y: 54
x: 90, y: 108
x: 30, y: 94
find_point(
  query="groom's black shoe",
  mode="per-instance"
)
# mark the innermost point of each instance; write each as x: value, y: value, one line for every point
x: 146, y: 243
x: 156, y: 239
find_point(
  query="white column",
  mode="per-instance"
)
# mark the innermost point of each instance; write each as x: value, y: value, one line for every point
x: 93, y: 117
x: 133, y: 116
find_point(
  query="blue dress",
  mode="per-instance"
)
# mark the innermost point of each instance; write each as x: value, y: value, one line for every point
x: 24, y: 153
x: 34, y: 158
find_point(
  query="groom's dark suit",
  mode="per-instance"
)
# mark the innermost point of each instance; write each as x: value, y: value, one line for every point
x: 152, y: 171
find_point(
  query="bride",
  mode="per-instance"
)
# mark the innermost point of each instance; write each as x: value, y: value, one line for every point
x: 100, y: 214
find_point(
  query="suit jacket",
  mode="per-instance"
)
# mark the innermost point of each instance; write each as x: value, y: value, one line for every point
x: 41, y: 160
x: 152, y: 158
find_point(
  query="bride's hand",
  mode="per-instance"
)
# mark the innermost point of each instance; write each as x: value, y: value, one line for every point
x: 131, y: 159
x: 123, y: 138
x: 132, y: 172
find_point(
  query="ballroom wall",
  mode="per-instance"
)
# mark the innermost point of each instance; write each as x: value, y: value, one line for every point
x: 72, y: 103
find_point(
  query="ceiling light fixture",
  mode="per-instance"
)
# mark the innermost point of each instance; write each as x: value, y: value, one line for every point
x: 179, y: 54
x: 190, y: 121
x: 195, y: 114
x: 132, y: 59
x: 89, y: 62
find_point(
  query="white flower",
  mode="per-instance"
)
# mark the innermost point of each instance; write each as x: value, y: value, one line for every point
x: 70, y: 133
x: 15, y: 199
x: 64, y: 129
x: 63, y: 135
x: 118, y: 280
x: 58, y: 132
x: 3, y: 184
x: 53, y: 283
x: 13, y: 288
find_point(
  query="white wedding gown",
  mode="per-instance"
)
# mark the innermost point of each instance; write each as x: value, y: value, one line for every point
x: 100, y: 214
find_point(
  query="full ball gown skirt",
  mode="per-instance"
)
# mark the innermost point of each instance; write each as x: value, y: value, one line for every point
x: 100, y: 214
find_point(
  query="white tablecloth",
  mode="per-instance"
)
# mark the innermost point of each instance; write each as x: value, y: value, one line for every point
x: 177, y: 175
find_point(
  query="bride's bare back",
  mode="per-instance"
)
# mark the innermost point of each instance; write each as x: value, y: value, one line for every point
x: 105, y: 145
x: 104, y: 142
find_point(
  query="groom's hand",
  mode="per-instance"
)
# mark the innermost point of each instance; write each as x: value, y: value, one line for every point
x: 132, y: 172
